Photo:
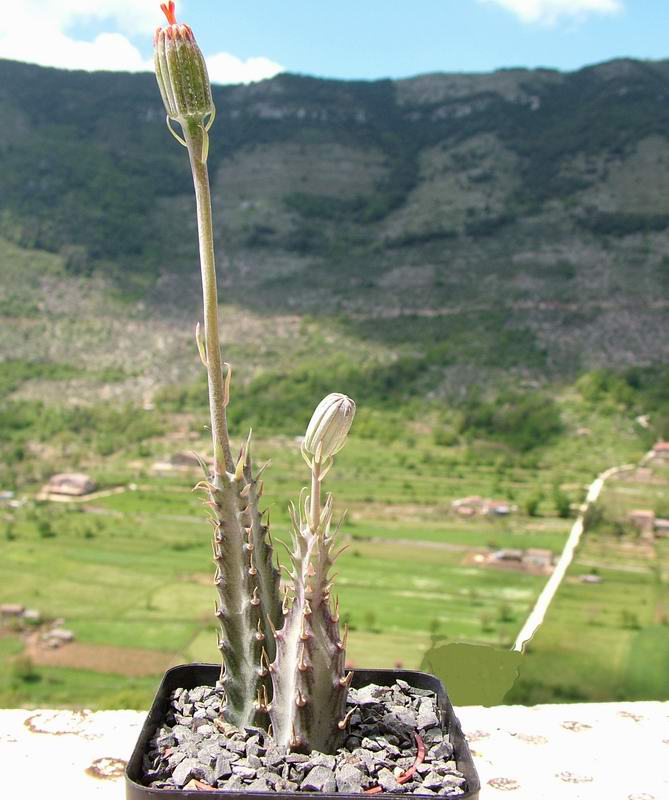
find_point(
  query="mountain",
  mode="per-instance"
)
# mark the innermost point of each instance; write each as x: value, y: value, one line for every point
x: 509, y: 222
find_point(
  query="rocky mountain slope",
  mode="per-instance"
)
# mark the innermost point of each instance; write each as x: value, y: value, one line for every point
x: 517, y: 221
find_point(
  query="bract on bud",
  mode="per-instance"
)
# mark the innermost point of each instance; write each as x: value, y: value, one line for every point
x: 329, y: 426
x: 181, y: 70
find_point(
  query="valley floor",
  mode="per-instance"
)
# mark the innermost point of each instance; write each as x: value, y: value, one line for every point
x: 126, y: 573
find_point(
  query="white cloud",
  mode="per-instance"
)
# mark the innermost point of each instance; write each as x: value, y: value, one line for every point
x: 39, y: 31
x: 226, y: 68
x: 51, y: 48
x: 21, y: 17
x: 548, y: 12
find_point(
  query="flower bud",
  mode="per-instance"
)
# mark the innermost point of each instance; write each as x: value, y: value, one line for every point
x: 181, y: 70
x: 329, y: 426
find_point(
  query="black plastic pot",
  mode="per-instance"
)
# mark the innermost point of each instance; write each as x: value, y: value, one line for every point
x: 189, y: 676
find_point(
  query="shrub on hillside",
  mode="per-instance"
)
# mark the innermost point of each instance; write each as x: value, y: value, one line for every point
x: 562, y: 502
x: 605, y: 223
x: 639, y: 390
x: 593, y: 518
x: 532, y: 504
x: 523, y: 422
x: 23, y: 671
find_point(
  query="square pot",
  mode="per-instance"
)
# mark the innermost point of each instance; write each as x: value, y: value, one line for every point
x: 188, y: 676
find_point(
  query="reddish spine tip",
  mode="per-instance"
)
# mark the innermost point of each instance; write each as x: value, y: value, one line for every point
x: 168, y: 10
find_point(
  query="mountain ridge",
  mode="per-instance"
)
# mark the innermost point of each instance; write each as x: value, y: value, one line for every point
x: 533, y: 203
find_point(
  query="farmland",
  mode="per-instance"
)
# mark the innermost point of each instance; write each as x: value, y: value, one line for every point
x: 129, y: 573
x: 619, y: 626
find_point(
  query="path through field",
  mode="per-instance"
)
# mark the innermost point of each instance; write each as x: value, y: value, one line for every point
x: 538, y: 613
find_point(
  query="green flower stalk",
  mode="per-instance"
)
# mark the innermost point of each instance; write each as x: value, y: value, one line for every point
x: 249, y: 606
x: 184, y: 85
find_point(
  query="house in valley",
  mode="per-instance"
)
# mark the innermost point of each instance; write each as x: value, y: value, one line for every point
x: 69, y: 484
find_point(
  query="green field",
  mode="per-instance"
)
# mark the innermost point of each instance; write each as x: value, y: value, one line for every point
x: 620, y: 627
x: 135, y: 574
x: 132, y: 570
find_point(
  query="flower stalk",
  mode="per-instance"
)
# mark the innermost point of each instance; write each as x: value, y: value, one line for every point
x: 195, y: 136
x: 184, y: 85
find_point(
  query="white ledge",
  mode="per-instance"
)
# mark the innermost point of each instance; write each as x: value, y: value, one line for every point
x: 607, y: 751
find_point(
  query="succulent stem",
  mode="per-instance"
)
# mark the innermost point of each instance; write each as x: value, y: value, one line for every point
x: 236, y: 612
x: 308, y: 708
x: 249, y: 608
x: 308, y: 676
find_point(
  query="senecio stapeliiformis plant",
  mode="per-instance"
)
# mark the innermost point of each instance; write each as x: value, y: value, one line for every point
x: 283, y: 655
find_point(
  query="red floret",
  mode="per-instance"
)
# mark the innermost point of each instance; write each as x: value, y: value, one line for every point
x: 168, y: 10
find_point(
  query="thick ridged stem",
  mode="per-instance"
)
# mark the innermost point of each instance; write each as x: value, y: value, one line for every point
x: 308, y: 679
x: 268, y: 577
x: 238, y: 611
x: 196, y: 139
x: 249, y: 608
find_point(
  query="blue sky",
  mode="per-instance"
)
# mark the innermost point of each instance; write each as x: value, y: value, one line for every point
x: 371, y: 38
x: 363, y: 39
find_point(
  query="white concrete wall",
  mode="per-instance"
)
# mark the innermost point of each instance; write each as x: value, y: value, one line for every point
x: 610, y: 751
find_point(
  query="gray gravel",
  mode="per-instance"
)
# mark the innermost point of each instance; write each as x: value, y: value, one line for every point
x: 195, y: 745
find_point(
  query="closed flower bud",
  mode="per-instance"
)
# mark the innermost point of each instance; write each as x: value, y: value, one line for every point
x: 181, y: 71
x: 329, y: 426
